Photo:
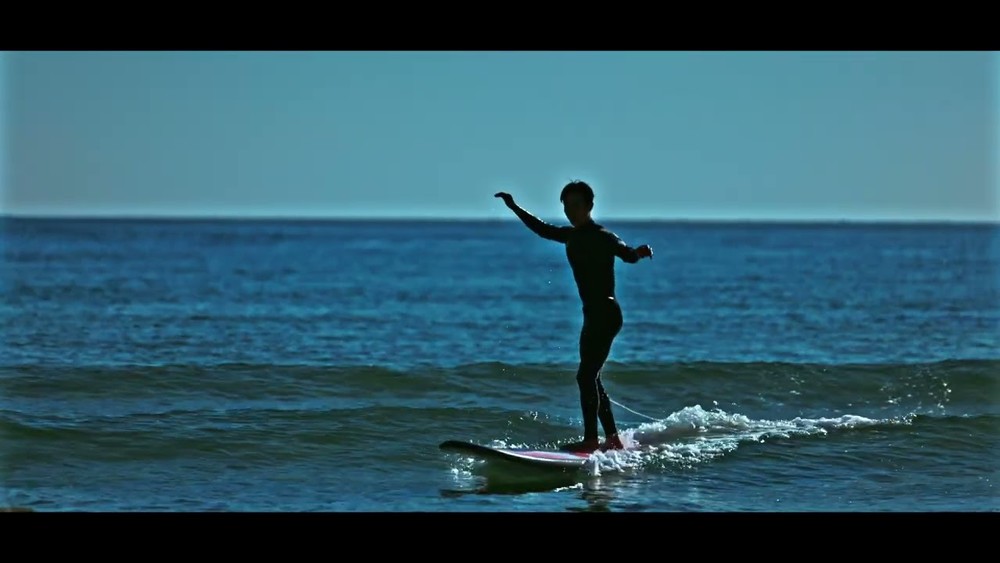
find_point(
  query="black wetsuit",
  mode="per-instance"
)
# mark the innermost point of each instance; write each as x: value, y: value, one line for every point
x: 591, y: 250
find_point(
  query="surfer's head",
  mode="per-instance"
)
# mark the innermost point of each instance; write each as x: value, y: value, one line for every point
x: 577, y: 198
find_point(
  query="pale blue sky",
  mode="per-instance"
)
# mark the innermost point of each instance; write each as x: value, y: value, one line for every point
x: 660, y: 135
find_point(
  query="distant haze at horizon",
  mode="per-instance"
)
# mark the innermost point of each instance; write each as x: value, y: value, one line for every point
x: 821, y: 136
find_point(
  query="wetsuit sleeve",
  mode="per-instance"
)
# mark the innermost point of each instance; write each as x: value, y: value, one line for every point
x: 541, y: 228
x: 622, y: 250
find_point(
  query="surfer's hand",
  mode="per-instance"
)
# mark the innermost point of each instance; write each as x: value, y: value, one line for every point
x: 506, y: 197
x: 644, y: 251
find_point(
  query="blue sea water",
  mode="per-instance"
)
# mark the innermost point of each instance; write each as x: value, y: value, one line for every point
x: 182, y: 365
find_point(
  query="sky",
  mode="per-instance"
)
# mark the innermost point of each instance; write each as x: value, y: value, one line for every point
x: 659, y: 135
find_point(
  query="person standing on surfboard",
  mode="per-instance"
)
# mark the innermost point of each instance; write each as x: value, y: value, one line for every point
x: 591, y: 250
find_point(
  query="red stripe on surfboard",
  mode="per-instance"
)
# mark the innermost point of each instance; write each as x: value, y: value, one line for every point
x: 550, y: 455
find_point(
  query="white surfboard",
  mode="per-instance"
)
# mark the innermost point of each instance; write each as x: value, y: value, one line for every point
x: 556, y: 459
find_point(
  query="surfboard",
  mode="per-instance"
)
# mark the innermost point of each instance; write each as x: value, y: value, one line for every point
x: 555, y: 459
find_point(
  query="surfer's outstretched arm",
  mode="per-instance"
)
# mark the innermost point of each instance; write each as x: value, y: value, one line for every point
x: 539, y: 227
x: 627, y: 253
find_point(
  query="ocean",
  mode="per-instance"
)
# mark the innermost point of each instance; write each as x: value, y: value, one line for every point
x: 299, y: 366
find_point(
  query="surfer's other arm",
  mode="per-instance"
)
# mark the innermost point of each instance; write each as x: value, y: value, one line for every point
x: 627, y: 253
x: 539, y: 227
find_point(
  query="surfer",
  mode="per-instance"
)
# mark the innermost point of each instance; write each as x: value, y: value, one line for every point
x: 591, y: 250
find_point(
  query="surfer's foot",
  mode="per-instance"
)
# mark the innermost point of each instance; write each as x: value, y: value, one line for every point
x: 612, y: 443
x: 585, y: 446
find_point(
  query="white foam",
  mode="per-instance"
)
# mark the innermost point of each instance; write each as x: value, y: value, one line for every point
x: 614, y: 461
x: 694, y: 435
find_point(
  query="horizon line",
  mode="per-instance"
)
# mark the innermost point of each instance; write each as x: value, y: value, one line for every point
x: 481, y: 219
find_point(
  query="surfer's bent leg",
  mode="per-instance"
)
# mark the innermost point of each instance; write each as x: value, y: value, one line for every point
x: 604, y: 411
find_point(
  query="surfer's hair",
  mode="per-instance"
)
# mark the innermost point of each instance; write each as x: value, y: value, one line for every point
x: 578, y: 187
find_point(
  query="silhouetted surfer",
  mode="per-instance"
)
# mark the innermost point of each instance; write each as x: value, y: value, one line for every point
x: 591, y: 250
